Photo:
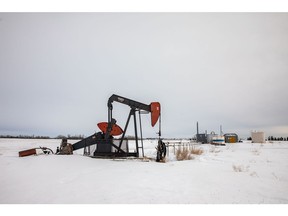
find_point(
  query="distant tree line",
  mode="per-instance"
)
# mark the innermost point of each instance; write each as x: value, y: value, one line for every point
x: 272, y: 138
x: 24, y: 137
x: 77, y: 137
x: 42, y: 137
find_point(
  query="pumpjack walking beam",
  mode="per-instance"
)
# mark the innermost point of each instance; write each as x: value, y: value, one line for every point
x: 153, y: 108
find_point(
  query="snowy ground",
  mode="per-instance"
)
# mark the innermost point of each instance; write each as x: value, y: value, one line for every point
x: 236, y: 173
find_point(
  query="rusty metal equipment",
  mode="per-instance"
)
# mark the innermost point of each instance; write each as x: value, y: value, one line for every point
x: 33, y: 151
x: 27, y: 152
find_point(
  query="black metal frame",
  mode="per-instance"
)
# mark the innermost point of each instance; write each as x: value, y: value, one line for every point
x: 135, y: 106
x: 107, y: 140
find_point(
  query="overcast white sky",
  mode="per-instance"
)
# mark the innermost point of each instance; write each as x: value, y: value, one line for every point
x: 57, y: 71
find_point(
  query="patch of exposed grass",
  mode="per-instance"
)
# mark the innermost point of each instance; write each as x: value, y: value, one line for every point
x: 196, y: 151
x: 240, y: 168
x: 183, y: 154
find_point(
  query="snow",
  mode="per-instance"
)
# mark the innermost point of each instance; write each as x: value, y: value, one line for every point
x: 244, y: 173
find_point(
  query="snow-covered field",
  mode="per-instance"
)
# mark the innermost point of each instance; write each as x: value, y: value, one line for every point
x: 236, y: 173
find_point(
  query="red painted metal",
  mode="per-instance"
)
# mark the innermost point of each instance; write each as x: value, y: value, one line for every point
x: 116, y: 129
x: 155, y: 112
x: 27, y: 152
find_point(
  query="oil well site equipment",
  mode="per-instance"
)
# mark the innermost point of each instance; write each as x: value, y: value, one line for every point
x: 104, y: 141
x: 107, y: 145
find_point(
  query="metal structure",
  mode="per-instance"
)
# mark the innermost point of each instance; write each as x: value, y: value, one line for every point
x: 161, y: 151
x: 106, y: 144
x: 201, y: 138
x: 33, y: 151
x: 231, y: 138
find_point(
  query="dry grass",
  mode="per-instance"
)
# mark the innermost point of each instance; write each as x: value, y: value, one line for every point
x: 183, y: 154
x: 196, y: 151
x: 240, y: 168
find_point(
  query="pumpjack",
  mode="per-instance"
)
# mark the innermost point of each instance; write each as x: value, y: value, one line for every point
x: 108, y: 146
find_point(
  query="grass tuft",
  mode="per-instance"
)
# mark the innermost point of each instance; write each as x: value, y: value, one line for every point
x: 183, y: 154
x: 197, y: 151
x: 240, y: 168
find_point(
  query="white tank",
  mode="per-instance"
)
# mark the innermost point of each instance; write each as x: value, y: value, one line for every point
x: 218, y: 140
x: 258, y: 137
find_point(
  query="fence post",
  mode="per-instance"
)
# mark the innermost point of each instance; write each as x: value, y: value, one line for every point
x: 174, y: 148
x: 168, y: 149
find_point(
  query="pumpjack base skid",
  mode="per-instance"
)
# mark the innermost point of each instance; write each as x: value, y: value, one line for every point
x: 105, y: 148
x: 113, y: 155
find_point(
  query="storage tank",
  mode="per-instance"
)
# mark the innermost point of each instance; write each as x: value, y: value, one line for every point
x: 210, y: 137
x: 218, y: 140
x: 258, y: 137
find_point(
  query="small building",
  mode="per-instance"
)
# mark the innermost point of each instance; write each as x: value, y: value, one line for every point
x: 202, y: 138
x: 258, y: 137
x: 231, y: 138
